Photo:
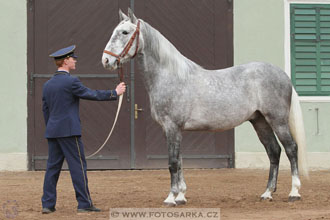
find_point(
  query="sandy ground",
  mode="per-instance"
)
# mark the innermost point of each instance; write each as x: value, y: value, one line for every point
x: 235, y: 191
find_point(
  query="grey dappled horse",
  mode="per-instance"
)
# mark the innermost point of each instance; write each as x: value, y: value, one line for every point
x: 184, y: 96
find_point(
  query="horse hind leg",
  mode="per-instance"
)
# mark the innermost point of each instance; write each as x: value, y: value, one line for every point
x: 282, y: 130
x: 291, y: 150
x: 268, y: 139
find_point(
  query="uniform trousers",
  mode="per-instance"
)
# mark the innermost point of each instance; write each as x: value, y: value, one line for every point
x: 70, y: 148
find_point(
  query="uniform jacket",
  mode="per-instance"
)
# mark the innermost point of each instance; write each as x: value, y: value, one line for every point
x: 60, y: 100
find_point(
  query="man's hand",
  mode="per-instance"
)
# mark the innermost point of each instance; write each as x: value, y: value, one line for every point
x: 121, y: 88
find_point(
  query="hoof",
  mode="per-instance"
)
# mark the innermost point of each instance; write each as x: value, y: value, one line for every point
x: 294, y: 198
x: 180, y: 202
x: 180, y: 199
x: 170, y: 200
x: 170, y: 204
x: 267, y: 196
x: 270, y: 199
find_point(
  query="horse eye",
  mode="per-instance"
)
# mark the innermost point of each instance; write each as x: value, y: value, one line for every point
x: 125, y: 32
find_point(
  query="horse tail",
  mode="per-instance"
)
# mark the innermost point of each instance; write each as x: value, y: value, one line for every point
x: 297, y: 129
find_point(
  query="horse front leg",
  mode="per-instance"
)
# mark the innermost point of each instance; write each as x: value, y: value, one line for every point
x: 181, y: 199
x: 178, y: 186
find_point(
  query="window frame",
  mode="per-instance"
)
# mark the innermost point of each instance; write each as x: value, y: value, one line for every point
x: 287, y: 44
x: 308, y: 41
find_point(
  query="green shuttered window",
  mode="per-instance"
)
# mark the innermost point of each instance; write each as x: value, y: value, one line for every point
x: 310, y: 48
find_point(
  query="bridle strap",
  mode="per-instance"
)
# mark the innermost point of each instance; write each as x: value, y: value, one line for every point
x: 128, y: 46
x: 137, y: 32
x: 130, y: 42
x: 110, y: 53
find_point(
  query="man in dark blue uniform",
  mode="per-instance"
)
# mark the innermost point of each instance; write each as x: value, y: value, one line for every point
x: 60, y: 99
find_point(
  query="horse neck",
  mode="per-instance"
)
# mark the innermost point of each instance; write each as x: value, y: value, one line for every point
x: 160, y: 60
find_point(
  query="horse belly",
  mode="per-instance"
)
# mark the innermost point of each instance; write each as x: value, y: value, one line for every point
x: 216, y: 122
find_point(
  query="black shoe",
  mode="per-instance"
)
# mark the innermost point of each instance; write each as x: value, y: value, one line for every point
x: 90, y: 209
x: 48, y: 210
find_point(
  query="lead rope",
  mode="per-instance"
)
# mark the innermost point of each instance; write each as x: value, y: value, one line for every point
x: 121, y: 77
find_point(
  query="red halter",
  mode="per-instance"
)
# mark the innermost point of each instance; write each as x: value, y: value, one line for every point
x: 128, y: 45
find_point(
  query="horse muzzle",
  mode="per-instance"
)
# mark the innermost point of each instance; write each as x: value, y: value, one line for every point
x: 109, y: 63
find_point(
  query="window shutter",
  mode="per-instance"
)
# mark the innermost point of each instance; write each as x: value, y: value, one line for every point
x: 310, y: 48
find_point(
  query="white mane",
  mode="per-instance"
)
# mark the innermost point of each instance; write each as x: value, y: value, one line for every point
x: 166, y: 54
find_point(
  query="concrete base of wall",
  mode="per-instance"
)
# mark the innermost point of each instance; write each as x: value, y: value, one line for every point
x: 13, y: 162
x: 255, y: 160
x: 259, y: 160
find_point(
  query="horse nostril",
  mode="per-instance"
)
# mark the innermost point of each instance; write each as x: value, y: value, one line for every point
x: 106, y: 60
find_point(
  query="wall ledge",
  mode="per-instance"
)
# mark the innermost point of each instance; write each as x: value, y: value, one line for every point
x: 259, y: 160
x: 13, y: 161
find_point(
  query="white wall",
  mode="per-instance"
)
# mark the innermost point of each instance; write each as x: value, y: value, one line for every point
x: 13, y: 86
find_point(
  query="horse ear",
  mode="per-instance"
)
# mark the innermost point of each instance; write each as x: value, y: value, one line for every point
x: 132, y: 16
x: 122, y: 16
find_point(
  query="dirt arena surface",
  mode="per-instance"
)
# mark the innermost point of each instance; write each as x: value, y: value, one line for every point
x: 235, y: 191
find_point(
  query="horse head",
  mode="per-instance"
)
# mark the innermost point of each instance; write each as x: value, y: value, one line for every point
x: 125, y: 41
